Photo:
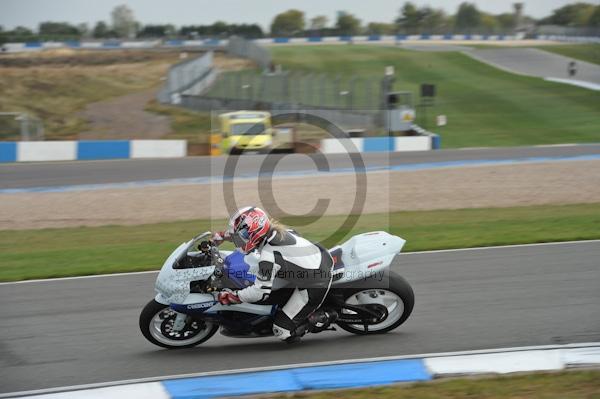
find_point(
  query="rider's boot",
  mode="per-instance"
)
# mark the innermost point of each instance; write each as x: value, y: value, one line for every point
x: 321, y: 319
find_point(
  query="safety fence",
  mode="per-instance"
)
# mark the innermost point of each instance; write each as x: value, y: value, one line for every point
x: 303, y: 89
x: 349, y: 101
x: 186, y: 75
x: 346, y: 119
x: 243, y: 48
x: 193, y: 77
x: 20, y: 126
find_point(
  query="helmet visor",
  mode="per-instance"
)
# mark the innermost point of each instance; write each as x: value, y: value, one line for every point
x: 240, y: 237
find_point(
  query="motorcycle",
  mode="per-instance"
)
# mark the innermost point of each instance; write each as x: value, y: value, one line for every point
x: 365, y: 297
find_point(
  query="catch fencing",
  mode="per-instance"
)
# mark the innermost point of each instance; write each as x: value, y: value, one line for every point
x: 193, y: 75
x: 20, y: 126
x: 300, y: 89
x: 352, y: 102
x: 243, y: 48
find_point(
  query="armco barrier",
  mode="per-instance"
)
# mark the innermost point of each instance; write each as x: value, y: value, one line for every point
x: 338, y: 374
x: 30, y: 151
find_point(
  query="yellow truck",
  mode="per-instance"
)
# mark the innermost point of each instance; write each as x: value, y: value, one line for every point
x: 251, y: 131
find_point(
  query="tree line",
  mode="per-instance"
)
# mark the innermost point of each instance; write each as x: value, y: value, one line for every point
x: 411, y: 19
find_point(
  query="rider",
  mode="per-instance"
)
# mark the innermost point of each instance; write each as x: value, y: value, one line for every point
x: 285, y: 256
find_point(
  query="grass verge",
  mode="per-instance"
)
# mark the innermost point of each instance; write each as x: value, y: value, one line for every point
x: 29, y: 254
x: 569, y: 384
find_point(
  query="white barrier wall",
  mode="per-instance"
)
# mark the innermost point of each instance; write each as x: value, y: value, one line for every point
x: 413, y: 143
x: 340, y: 146
x: 158, y: 148
x: 380, y: 144
x: 91, y: 45
x: 31, y: 151
x: 86, y: 150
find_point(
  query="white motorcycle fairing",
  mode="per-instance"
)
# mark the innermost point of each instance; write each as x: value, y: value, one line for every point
x: 367, y: 255
x: 173, y: 288
x: 364, y: 255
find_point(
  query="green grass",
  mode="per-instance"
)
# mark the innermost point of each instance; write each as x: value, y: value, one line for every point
x: 28, y: 254
x: 589, y: 52
x: 484, y: 105
x: 583, y: 384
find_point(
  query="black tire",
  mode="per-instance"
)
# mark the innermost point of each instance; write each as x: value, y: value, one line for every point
x: 399, y: 286
x: 146, y: 317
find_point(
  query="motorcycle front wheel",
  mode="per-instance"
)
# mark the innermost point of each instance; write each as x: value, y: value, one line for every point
x: 156, y: 324
x: 397, y: 297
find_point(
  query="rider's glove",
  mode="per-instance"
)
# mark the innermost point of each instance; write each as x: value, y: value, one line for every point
x: 220, y: 236
x: 228, y: 297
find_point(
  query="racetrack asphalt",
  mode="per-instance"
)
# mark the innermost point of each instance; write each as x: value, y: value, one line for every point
x: 57, y: 174
x: 79, y: 331
x: 536, y: 62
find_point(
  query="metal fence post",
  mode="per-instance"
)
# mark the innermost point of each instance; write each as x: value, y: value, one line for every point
x: 24, y: 127
x: 309, y: 89
x: 286, y: 87
x: 323, y: 90
x: 261, y: 92
x: 369, y: 93
x: 351, y: 91
x: 238, y: 83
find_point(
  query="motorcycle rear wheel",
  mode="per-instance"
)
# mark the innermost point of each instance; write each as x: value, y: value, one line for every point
x: 156, y: 323
x: 398, y: 297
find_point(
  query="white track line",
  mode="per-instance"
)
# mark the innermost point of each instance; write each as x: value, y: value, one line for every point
x: 43, y: 280
x: 296, y: 365
x: 402, y: 254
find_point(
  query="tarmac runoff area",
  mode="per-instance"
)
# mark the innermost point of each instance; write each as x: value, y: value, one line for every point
x: 454, y: 187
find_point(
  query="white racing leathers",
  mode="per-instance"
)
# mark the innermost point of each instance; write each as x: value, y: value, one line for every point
x: 301, y: 264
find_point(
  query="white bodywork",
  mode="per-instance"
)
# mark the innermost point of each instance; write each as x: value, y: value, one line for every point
x: 368, y: 254
x: 364, y: 255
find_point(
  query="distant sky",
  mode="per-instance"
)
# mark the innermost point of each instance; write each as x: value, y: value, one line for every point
x: 30, y: 13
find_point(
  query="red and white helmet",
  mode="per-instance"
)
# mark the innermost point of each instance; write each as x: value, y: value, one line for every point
x: 248, y: 228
